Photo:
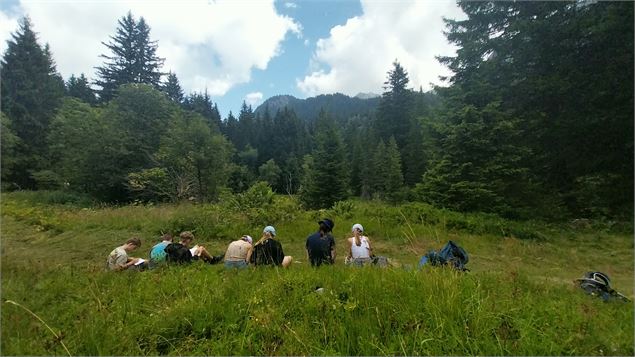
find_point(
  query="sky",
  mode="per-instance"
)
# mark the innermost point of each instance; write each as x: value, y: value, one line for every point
x: 250, y: 50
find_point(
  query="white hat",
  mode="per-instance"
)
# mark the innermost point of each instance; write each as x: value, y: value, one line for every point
x: 247, y: 239
x: 357, y: 226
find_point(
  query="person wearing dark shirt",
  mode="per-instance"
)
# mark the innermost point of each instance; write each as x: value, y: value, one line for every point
x: 320, y: 246
x: 182, y: 253
x: 268, y: 251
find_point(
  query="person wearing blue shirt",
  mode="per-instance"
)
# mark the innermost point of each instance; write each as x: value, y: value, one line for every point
x: 157, y: 254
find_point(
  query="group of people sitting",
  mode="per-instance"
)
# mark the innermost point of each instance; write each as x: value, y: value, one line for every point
x: 320, y: 249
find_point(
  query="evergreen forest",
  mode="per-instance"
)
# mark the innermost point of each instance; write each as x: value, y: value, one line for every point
x: 535, y: 122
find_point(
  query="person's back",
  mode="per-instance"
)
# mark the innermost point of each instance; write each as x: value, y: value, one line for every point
x: 267, y: 252
x: 117, y: 259
x: 158, y: 254
x: 319, y: 246
x: 238, y: 252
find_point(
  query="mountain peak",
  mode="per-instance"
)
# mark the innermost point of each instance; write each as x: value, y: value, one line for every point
x: 368, y: 95
x: 337, y: 104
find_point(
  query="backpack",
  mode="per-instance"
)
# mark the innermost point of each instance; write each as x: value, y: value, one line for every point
x: 451, y: 254
x: 596, y: 283
x: 178, y: 253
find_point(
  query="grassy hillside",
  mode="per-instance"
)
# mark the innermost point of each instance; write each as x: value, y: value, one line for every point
x: 518, y: 299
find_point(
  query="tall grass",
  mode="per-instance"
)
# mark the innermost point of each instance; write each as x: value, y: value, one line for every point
x: 518, y: 299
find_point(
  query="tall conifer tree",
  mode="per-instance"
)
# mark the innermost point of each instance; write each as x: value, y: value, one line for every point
x: 395, y: 107
x: 172, y: 88
x: 326, y: 181
x: 31, y: 92
x: 133, y: 59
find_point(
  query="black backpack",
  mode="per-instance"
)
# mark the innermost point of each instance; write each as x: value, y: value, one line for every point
x: 177, y: 253
x: 596, y: 283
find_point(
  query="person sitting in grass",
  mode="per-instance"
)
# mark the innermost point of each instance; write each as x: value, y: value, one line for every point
x: 320, y: 246
x: 238, y: 252
x: 360, y: 251
x: 119, y: 260
x: 182, y: 253
x: 157, y: 254
x: 268, y: 251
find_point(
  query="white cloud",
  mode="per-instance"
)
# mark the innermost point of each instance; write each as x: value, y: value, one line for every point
x: 253, y: 98
x: 7, y: 26
x: 208, y: 44
x: 357, y: 55
x: 290, y: 5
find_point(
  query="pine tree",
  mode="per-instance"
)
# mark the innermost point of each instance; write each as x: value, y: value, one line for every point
x: 394, y: 178
x: 326, y: 178
x: 264, y: 134
x: 202, y: 103
x: 31, y: 92
x: 230, y: 128
x: 379, y: 171
x: 395, y: 108
x: 133, y: 59
x: 482, y: 165
x: 79, y: 88
x: 172, y: 88
x: 414, y: 156
x: 246, y: 122
x: 564, y: 70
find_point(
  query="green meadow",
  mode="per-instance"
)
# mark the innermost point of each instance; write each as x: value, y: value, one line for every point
x: 519, y: 297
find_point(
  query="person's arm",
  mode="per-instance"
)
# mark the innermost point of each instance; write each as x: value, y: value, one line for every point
x: 249, y: 251
x: 123, y: 262
x: 370, y: 248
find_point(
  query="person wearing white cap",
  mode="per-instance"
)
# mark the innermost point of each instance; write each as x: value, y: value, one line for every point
x: 238, y: 253
x: 268, y: 251
x: 360, y: 251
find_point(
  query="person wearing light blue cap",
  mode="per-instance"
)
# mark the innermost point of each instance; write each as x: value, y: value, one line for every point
x: 268, y: 251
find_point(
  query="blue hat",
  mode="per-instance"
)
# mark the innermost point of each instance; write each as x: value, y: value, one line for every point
x: 269, y: 229
x: 328, y: 223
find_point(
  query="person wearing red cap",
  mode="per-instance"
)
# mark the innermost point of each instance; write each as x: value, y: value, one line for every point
x: 320, y: 246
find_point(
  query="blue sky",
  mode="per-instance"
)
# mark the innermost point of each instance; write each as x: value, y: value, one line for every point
x: 254, y: 49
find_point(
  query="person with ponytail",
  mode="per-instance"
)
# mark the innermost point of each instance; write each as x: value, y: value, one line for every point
x: 360, y: 251
x: 268, y: 251
x: 320, y: 246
